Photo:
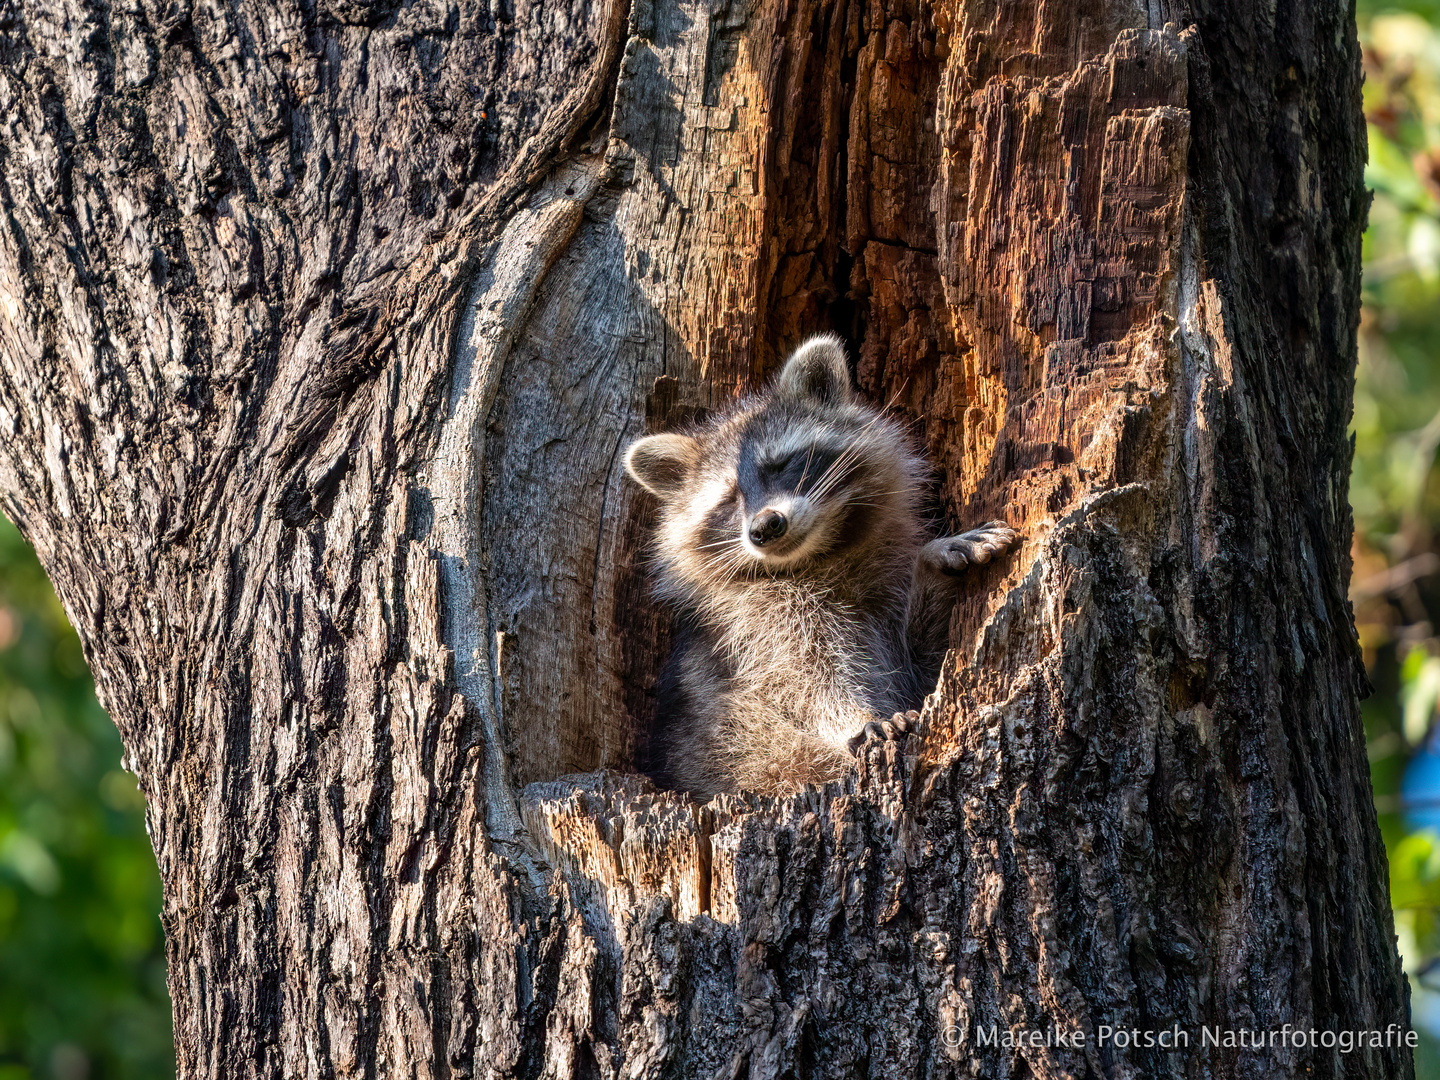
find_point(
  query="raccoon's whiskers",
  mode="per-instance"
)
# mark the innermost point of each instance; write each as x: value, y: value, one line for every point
x: 731, y: 566
x: 731, y: 560
x: 833, y: 475
x: 809, y: 460
x: 851, y: 453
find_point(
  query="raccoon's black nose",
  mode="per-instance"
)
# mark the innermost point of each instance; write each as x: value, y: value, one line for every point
x: 766, y: 526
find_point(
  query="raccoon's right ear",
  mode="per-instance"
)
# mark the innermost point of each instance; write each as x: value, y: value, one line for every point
x: 817, y: 371
x: 660, y: 463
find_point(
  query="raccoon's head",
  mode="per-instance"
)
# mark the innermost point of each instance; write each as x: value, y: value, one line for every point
x: 803, y: 472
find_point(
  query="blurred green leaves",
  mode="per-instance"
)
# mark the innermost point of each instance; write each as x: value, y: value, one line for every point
x: 1419, y: 693
x: 1395, y: 487
x: 82, y: 977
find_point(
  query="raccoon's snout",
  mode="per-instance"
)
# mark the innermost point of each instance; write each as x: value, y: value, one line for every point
x: 766, y: 526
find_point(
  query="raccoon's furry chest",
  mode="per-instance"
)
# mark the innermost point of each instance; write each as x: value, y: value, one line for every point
x: 773, y: 676
x: 813, y: 650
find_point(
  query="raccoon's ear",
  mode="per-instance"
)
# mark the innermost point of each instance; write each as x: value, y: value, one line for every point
x: 817, y: 371
x: 660, y: 463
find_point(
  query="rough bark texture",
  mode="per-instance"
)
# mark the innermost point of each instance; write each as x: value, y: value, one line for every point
x: 322, y: 326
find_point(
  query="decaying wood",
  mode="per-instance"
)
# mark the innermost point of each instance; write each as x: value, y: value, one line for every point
x: 322, y: 327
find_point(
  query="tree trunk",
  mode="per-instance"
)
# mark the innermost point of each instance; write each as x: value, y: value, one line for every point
x: 322, y: 328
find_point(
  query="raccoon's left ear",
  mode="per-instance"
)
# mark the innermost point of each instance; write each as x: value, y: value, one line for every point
x: 661, y: 463
x: 817, y: 371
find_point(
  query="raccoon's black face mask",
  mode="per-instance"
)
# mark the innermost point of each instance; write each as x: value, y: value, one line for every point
x: 802, y: 471
x: 785, y: 474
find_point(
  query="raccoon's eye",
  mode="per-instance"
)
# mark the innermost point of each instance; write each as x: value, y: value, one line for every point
x: 775, y: 468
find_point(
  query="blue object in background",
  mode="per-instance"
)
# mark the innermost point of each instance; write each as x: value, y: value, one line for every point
x: 1420, y: 789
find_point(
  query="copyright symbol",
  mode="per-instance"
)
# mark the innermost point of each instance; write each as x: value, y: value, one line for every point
x: 952, y: 1035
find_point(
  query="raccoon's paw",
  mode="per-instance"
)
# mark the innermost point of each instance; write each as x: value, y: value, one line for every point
x: 892, y: 730
x: 953, y: 554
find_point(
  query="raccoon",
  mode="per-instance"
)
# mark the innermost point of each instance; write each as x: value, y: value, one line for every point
x: 811, y: 612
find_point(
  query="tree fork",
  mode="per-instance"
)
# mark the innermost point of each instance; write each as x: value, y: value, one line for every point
x: 323, y: 327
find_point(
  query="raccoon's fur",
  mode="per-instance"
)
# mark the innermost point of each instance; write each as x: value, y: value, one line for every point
x: 810, y: 609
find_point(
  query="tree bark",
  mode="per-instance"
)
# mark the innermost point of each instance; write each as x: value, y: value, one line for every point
x: 322, y: 327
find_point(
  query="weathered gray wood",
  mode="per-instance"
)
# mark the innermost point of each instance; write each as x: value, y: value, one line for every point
x: 321, y: 328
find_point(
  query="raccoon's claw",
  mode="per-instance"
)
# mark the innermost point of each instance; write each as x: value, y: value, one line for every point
x: 892, y: 730
x: 953, y: 554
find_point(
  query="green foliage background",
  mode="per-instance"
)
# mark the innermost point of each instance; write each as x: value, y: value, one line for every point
x: 82, y: 967
x: 1395, y: 487
x: 82, y: 991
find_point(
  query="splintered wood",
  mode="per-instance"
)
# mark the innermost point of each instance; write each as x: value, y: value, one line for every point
x: 616, y: 836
